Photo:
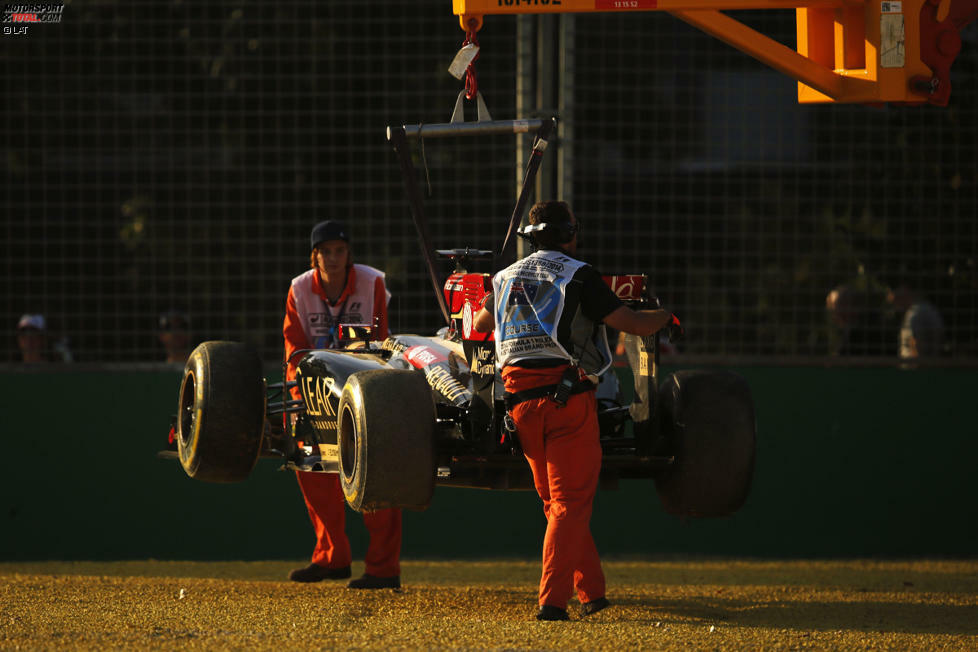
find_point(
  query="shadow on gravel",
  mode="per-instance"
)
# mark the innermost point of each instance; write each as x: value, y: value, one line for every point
x: 959, y: 576
x: 872, y: 615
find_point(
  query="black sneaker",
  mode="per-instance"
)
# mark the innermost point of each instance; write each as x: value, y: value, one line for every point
x: 317, y: 573
x: 594, y: 606
x: 369, y: 581
x: 547, y: 612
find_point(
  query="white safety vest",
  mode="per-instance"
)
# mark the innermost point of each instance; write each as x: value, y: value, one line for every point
x: 320, y: 320
x: 530, y: 297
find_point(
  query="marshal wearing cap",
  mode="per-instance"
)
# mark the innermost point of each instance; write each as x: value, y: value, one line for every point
x: 328, y: 230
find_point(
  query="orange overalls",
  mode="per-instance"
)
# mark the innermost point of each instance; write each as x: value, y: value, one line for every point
x: 563, y: 448
x: 327, y: 511
x: 321, y: 491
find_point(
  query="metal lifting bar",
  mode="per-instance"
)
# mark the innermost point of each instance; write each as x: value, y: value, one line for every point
x: 487, y: 128
x: 532, y: 165
x: 398, y: 138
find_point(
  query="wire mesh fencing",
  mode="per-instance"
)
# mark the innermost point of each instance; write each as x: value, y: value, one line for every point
x: 172, y: 156
x: 747, y: 209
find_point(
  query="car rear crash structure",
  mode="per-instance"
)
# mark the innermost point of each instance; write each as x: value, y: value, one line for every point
x: 398, y: 417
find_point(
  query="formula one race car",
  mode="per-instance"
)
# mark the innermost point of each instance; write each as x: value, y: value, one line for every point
x: 395, y: 418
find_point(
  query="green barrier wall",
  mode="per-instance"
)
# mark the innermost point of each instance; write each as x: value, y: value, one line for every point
x: 851, y: 462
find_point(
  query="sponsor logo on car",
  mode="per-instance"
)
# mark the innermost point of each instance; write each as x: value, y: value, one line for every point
x: 317, y: 392
x: 423, y: 356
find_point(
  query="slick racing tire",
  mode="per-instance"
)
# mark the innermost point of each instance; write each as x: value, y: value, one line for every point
x: 706, y: 420
x: 386, y: 440
x: 221, y: 414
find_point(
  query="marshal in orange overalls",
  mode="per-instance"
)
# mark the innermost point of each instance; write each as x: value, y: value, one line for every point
x: 321, y: 491
x: 563, y: 449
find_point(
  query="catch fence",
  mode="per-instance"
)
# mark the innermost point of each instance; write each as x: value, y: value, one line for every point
x: 166, y: 156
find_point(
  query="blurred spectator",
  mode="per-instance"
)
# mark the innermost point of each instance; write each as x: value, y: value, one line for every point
x: 32, y: 338
x: 34, y: 342
x: 921, y: 328
x: 175, y: 336
x: 858, y: 326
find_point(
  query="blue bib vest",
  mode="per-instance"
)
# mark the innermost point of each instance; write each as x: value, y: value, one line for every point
x: 530, y: 301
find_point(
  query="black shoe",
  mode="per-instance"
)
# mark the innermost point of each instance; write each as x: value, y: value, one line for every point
x: 547, y: 612
x: 594, y: 606
x: 317, y: 573
x: 369, y: 581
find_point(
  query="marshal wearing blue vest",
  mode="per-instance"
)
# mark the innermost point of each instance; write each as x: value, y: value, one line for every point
x: 534, y: 305
x: 548, y: 311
